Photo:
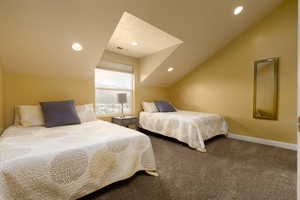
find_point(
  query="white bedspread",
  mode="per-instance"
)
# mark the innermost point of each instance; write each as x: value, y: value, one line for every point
x: 69, y: 162
x: 192, y: 128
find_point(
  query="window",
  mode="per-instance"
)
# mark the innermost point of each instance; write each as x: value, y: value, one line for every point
x: 109, y: 84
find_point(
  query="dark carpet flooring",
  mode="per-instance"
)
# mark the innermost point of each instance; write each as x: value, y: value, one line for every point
x: 230, y: 170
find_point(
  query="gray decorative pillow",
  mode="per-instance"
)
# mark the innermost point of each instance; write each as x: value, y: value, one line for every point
x: 164, y: 106
x: 59, y: 113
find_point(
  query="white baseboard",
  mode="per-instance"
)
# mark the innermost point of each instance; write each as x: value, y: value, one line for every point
x: 264, y: 141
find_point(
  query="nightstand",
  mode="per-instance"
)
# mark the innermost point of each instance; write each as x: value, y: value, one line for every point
x: 125, y: 121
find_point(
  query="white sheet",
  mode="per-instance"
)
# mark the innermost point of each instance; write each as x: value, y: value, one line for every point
x: 71, y: 161
x: 192, y: 128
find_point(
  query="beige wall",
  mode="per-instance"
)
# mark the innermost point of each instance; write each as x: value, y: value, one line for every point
x: 1, y: 100
x: 224, y: 83
x: 31, y: 89
x: 298, y: 153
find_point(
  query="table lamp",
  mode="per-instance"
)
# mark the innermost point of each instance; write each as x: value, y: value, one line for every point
x: 122, y: 99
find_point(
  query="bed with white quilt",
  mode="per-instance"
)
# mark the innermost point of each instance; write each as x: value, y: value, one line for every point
x: 192, y: 128
x: 69, y: 162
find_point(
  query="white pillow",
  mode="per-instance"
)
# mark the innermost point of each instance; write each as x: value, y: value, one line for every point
x: 149, y: 107
x: 31, y: 115
x: 86, y: 113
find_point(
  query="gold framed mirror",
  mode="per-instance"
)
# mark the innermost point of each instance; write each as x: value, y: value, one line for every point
x: 265, y: 104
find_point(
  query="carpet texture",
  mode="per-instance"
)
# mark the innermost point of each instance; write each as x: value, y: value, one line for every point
x: 230, y: 170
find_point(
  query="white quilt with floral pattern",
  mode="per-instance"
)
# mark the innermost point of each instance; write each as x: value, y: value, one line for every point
x: 192, y: 128
x: 69, y: 162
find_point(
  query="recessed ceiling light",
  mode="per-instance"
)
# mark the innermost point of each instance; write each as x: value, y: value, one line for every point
x: 238, y: 10
x: 170, y: 69
x: 134, y: 43
x: 76, y: 46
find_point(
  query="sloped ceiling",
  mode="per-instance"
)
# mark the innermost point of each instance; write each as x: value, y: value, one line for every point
x: 36, y: 36
x: 150, y: 63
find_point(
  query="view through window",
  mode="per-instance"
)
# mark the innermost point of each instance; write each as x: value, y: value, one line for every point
x: 109, y: 84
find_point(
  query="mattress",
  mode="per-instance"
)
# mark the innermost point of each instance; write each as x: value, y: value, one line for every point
x: 192, y: 128
x: 69, y: 162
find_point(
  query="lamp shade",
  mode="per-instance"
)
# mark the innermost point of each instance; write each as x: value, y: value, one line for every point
x: 122, y: 98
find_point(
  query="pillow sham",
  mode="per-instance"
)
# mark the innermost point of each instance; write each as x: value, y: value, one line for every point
x: 149, y: 107
x: 86, y: 112
x: 30, y: 115
x: 164, y: 106
x: 59, y: 113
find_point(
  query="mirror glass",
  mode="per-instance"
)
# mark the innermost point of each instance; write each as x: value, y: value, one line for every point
x: 266, y: 89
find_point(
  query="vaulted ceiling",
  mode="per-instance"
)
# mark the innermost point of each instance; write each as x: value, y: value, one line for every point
x: 137, y: 38
x: 36, y: 36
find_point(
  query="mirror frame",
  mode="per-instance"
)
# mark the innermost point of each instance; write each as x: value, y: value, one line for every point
x: 274, y: 116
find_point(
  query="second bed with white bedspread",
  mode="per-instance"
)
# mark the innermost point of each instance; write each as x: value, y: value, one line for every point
x: 192, y: 128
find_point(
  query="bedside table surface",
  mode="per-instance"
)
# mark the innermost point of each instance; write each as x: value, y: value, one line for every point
x: 125, y: 117
x: 125, y: 121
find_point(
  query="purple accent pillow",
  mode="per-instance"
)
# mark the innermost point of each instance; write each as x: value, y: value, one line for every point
x: 59, y: 113
x: 164, y: 106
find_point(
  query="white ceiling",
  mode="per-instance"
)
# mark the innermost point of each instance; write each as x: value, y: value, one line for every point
x: 149, y: 38
x: 36, y: 36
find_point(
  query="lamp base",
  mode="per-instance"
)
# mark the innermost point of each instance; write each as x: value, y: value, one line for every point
x: 122, y: 116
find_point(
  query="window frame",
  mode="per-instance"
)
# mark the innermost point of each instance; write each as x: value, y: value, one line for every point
x: 117, y: 89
